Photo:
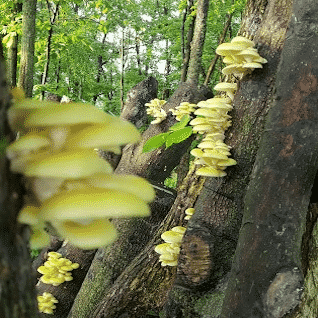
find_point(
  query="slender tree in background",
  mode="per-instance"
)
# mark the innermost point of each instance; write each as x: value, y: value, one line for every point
x: 27, y: 47
x: 198, y: 42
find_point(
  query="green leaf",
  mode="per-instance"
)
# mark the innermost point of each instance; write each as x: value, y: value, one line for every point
x: 178, y: 136
x: 155, y: 142
x: 182, y: 123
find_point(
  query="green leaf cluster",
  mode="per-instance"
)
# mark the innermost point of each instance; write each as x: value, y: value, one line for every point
x: 176, y: 134
x: 86, y: 45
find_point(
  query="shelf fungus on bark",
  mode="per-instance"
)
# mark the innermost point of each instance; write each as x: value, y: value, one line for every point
x: 169, y: 251
x: 189, y: 212
x: 213, y: 123
x: 46, y: 303
x: 57, y: 269
x: 154, y: 109
x: 240, y: 56
x: 212, y: 153
x: 69, y: 186
x: 185, y: 108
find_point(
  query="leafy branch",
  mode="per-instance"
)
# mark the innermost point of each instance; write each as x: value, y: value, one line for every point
x: 176, y: 134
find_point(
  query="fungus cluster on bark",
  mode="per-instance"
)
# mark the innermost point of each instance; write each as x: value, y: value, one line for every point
x: 154, y: 109
x: 46, y: 303
x: 185, y: 108
x: 240, y: 56
x: 70, y: 186
x: 212, y: 119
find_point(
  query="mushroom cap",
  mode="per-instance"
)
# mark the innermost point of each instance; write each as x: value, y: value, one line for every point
x: 229, y: 60
x: 214, y: 136
x: 168, y: 257
x: 162, y: 248
x: 260, y: 60
x: 179, y: 229
x: 248, y: 53
x: 225, y: 49
x: 172, y: 237
x: 27, y: 143
x: 127, y: 183
x: 210, y: 172
x: 29, y: 215
x: 227, y: 162
x: 197, y: 152
x: 93, y: 204
x: 235, y: 69
x: 199, y: 121
x: 189, y: 211
x: 90, y: 236
x: 214, y: 154
x: 70, y: 164
x: 117, y: 132
x: 202, y: 128
x: 225, y: 87
x: 243, y: 41
x: 207, y: 112
x: 66, y: 115
x: 207, y: 144
x: 252, y: 65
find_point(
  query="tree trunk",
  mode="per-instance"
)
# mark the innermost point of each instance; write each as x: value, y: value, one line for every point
x: 12, y: 61
x: 122, y: 59
x: 27, y: 48
x: 48, y: 46
x: 145, y: 283
x: 216, y: 57
x: 212, y: 233
x: 17, y: 292
x: 186, y: 47
x: 266, y: 278
x: 134, y: 233
x: 198, y: 42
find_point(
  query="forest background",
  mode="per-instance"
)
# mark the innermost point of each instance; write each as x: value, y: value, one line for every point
x: 252, y: 240
x: 95, y: 51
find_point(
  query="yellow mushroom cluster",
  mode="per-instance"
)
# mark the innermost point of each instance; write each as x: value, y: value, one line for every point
x: 155, y: 110
x: 240, y: 56
x: 69, y: 185
x: 185, y: 108
x: 189, y: 212
x: 212, y: 153
x: 169, y: 251
x: 57, y: 269
x: 46, y: 303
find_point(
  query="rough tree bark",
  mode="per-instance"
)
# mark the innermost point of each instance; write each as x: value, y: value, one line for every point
x: 212, y: 233
x: 134, y: 233
x: 266, y: 277
x: 17, y: 292
x: 186, y: 47
x: 27, y: 47
x: 197, y: 42
x: 12, y: 57
x: 145, y: 283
